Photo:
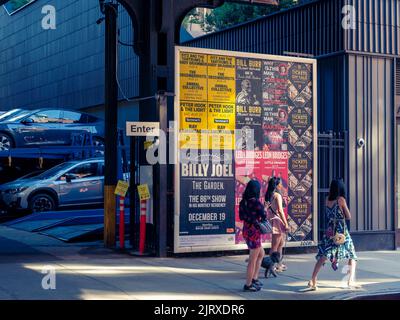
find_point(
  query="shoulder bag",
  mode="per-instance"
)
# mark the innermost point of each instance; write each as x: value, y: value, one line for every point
x: 339, y: 238
x: 264, y: 226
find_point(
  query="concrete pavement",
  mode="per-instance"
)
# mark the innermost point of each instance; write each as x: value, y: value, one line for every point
x: 88, y: 271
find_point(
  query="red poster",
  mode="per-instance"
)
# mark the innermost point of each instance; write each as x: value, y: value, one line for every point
x: 260, y: 165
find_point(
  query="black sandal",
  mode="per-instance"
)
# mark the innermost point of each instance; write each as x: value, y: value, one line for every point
x: 251, y: 288
x: 257, y: 283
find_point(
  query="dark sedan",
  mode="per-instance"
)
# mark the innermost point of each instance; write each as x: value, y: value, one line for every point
x: 48, y: 127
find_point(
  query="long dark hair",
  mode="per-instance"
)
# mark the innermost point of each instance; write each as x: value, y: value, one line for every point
x: 272, y: 184
x: 337, y: 189
x: 252, y: 190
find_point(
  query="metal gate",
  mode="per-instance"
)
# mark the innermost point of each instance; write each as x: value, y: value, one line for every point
x: 332, y: 164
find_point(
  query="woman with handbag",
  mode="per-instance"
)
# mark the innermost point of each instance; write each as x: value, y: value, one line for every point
x: 251, y: 211
x: 274, y: 203
x: 336, y: 244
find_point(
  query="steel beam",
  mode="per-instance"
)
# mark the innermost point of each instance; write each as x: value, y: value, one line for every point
x: 111, y: 133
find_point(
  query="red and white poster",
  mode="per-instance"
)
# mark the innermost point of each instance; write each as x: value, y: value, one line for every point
x: 260, y: 165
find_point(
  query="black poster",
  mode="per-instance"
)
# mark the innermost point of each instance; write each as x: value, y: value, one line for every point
x: 300, y: 75
x: 207, y: 197
x: 249, y: 101
x: 300, y: 151
x: 275, y: 75
x: 299, y: 209
x: 300, y: 165
x: 300, y: 120
x: 300, y: 224
x: 275, y: 109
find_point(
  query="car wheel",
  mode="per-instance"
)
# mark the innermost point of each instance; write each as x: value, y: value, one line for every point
x: 6, y: 142
x: 41, y: 202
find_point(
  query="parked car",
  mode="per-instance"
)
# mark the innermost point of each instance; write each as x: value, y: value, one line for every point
x: 67, y: 184
x: 46, y: 127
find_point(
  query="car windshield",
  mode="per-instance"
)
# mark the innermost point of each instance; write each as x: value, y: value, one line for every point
x: 19, y: 116
x: 31, y: 175
x: 10, y: 113
x: 53, y: 171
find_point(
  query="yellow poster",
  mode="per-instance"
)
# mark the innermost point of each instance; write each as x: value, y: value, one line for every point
x: 193, y: 140
x: 221, y: 116
x: 148, y: 145
x: 193, y: 115
x: 122, y: 188
x: 221, y: 140
x: 193, y: 76
x: 144, y: 192
x: 207, y: 101
x: 221, y: 79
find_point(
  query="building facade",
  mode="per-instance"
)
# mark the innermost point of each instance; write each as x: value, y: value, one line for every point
x: 63, y: 67
x: 357, y: 44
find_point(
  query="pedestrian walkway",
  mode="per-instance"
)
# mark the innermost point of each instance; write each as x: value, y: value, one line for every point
x: 88, y: 271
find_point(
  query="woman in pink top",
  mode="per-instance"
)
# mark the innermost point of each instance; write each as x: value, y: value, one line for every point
x: 278, y: 219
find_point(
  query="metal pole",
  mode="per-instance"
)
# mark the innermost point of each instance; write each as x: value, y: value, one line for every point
x: 111, y: 133
x: 122, y: 222
x: 160, y: 186
x: 143, y: 225
x: 132, y: 193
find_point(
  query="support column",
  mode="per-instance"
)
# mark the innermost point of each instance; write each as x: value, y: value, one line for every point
x: 111, y: 134
x: 161, y: 186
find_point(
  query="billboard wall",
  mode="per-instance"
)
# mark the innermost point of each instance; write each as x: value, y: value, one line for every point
x: 242, y: 116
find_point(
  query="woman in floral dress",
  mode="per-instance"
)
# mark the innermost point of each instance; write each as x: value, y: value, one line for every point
x: 336, y: 214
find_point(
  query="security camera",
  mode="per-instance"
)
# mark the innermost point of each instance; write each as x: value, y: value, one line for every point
x: 360, y: 142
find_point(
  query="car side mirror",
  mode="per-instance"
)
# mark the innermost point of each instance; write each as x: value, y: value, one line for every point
x: 27, y: 121
x: 69, y: 177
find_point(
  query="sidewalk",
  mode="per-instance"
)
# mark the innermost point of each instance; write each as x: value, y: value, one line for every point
x: 87, y: 271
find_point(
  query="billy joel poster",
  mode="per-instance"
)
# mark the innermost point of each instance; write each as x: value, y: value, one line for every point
x: 207, y: 183
x: 242, y: 116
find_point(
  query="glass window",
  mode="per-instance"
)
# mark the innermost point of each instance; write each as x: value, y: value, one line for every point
x: 9, y: 114
x: 48, y: 116
x: 102, y: 169
x: 54, y: 171
x: 86, y: 170
x: 13, y: 6
x: 92, y: 119
x: 73, y: 117
x: 18, y: 116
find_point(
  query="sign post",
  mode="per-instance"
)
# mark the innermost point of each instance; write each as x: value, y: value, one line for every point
x: 122, y: 222
x: 142, y: 129
x: 135, y: 130
x: 121, y: 190
x: 144, y: 195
